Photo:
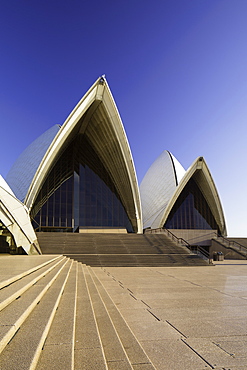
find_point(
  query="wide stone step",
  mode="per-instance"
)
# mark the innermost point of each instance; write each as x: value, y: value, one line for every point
x: 66, y: 320
x: 107, y: 244
x: 24, y: 349
x: 13, y: 268
x: 136, y: 355
x: 14, y: 315
x: 10, y: 292
x: 114, y: 352
x: 88, y: 346
x: 134, y: 260
x: 58, y: 351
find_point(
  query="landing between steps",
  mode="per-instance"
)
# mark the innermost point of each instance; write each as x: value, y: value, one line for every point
x: 14, y: 267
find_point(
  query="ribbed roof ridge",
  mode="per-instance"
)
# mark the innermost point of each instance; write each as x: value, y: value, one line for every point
x: 158, y: 186
x: 21, y: 173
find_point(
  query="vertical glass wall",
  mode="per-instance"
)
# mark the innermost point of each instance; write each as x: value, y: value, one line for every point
x: 79, y: 192
x: 191, y: 211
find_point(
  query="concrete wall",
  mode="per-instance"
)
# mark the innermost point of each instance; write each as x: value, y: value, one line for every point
x: 242, y: 241
x: 229, y: 253
x: 95, y: 230
x: 195, y: 237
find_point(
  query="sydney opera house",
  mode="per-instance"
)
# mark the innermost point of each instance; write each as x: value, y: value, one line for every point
x: 80, y: 177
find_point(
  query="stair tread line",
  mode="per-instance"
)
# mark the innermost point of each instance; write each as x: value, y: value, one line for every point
x: 33, y: 332
x: 9, y: 293
x: 61, y: 333
x: 13, y: 316
x: 89, y: 351
x: 26, y: 272
x: 131, y: 344
x: 112, y: 345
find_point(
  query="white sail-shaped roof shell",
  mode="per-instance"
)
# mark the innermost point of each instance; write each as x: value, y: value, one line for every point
x: 21, y: 173
x: 160, y: 190
x: 199, y: 171
x: 97, y: 115
x: 158, y: 186
x: 14, y: 215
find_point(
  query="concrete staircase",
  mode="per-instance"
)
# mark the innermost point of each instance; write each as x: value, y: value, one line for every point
x: 119, y: 250
x: 56, y: 314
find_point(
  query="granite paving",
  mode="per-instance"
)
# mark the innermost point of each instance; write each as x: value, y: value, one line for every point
x: 184, y: 317
x: 192, y: 317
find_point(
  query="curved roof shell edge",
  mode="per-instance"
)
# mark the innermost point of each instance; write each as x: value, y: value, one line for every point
x: 15, y: 217
x: 200, y: 172
x: 97, y: 107
x: 159, y: 185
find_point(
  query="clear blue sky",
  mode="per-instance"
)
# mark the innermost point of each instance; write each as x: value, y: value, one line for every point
x: 177, y: 70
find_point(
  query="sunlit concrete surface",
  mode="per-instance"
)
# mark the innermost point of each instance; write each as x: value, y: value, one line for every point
x: 15, y: 267
x: 140, y: 318
x: 185, y: 317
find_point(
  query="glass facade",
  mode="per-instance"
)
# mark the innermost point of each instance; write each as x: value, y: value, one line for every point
x: 79, y: 192
x: 191, y: 211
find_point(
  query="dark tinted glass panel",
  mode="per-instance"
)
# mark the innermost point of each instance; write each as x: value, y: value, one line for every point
x: 191, y: 211
x: 79, y: 192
